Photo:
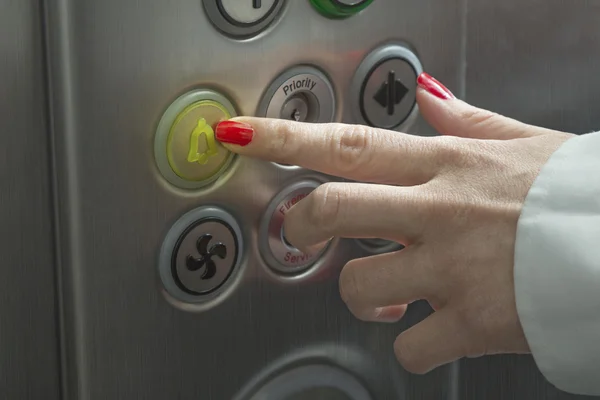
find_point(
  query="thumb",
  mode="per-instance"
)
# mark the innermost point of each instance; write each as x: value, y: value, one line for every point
x: 453, y: 117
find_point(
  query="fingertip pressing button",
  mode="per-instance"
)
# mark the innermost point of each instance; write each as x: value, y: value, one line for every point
x: 279, y: 254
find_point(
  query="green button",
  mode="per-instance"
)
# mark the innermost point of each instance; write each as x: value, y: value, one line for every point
x: 340, y: 8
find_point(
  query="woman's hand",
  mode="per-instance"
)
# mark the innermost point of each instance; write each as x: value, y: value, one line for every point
x: 453, y: 201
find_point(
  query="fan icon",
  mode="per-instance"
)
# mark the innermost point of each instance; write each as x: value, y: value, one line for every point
x: 206, y: 256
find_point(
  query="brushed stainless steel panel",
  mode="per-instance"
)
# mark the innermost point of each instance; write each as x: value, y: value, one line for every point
x: 116, y: 66
x: 536, y: 61
x: 29, y: 362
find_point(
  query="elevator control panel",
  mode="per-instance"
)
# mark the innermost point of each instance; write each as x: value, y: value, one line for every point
x: 181, y: 258
x: 202, y: 251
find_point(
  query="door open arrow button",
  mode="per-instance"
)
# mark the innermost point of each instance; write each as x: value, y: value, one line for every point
x: 391, y: 93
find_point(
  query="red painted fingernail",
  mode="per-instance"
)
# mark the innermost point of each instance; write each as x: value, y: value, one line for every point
x: 434, y: 87
x: 234, y: 132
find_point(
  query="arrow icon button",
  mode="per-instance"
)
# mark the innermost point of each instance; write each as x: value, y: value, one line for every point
x: 391, y: 93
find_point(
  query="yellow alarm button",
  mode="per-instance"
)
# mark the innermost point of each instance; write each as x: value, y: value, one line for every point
x: 192, y: 150
x: 187, y: 153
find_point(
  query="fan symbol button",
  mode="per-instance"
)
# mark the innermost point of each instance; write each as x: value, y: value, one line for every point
x: 205, y: 261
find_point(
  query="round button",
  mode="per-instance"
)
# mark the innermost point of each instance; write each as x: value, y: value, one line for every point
x: 278, y: 253
x: 301, y: 94
x: 200, y: 253
x: 242, y: 18
x: 384, y: 87
x: 340, y: 8
x: 186, y: 151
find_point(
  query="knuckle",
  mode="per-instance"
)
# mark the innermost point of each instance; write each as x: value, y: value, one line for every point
x: 352, y: 147
x: 448, y: 152
x: 470, y: 324
x: 477, y: 117
x: 325, y: 206
x: 284, y: 145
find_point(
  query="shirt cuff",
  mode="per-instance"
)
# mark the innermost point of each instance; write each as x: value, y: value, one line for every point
x: 557, y: 267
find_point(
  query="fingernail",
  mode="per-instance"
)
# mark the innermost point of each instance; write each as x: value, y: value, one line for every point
x: 383, y: 315
x: 434, y: 86
x: 234, y: 132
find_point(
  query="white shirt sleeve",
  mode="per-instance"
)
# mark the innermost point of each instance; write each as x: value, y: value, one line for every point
x: 557, y: 267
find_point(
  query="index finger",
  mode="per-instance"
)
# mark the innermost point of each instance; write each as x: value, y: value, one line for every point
x: 349, y: 151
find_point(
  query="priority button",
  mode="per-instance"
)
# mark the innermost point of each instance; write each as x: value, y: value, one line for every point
x: 385, y: 87
x: 302, y: 93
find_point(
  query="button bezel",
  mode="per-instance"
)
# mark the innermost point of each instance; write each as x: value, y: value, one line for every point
x: 164, y: 128
x: 170, y: 245
x: 236, y: 29
x: 369, y: 64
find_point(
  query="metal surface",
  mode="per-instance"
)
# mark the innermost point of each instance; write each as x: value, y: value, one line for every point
x: 29, y: 351
x: 111, y: 75
x: 536, y: 61
x: 114, y: 67
x: 114, y: 74
x: 304, y: 83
